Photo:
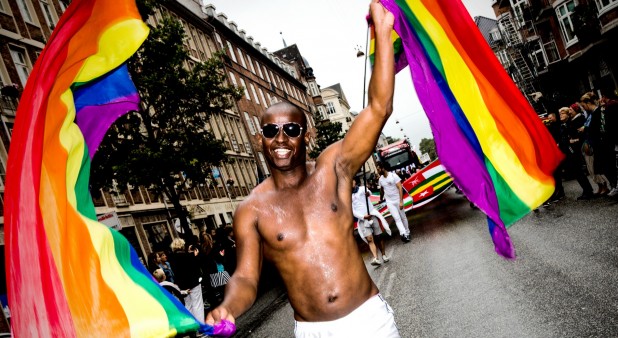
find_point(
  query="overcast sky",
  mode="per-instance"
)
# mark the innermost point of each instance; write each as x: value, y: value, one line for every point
x: 327, y: 32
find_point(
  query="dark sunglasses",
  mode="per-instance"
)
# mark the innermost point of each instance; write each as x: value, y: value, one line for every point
x: 291, y: 129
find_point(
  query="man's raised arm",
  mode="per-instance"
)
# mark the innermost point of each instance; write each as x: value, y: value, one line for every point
x: 362, y: 137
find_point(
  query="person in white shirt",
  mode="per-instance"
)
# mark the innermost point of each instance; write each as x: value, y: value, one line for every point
x: 392, y: 192
x: 369, y: 222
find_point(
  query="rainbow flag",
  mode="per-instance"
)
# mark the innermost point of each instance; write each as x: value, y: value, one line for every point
x: 68, y: 275
x: 487, y: 135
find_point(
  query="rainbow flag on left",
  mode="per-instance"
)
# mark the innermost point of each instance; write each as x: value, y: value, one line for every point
x: 68, y: 275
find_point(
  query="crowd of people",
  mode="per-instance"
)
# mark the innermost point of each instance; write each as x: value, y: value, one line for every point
x: 587, y: 133
x: 196, y: 271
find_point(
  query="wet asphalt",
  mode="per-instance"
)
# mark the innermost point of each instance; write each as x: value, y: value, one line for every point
x: 449, y: 282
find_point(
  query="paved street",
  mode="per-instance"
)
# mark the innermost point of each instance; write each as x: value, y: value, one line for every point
x: 448, y: 282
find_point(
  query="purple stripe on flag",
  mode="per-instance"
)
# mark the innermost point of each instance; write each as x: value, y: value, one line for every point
x: 94, y: 121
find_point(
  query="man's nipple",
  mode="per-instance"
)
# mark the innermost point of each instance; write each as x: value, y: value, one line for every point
x: 333, y: 207
x: 280, y: 237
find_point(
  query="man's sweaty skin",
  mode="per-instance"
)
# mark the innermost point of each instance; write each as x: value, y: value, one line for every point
x: 301, y: 217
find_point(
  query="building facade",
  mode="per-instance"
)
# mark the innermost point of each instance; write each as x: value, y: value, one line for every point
x: 555, y: 50
x: 147, y: 219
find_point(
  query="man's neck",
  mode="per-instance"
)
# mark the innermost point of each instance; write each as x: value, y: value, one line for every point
x: 290, y: 178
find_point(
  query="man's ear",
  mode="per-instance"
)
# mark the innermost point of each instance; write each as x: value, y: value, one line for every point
x: 261, y: 140
x: 307, y: 137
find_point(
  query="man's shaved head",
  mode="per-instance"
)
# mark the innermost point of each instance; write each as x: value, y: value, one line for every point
x: 286, y: 107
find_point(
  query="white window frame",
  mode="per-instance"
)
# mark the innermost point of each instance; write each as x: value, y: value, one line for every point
x: 267, y: 76
x: 21, y: 65
x: 49, y: 13
x: 259, y: 68
x: 219, y: 41
x: 263, y: 163
x: 241, y: 57
x: 250, y: 64
x: 4, y: 7
x: 256, y: 121
x: 262, y: 96
x: 254, y: 93
x: 63, y: 5
x: 252, y: 129
x: 231, y: 50
x: 330, y: 108
x: 604, y: 8
x: 26, y: 10
x: 233, y: 78
x: 244, y: 86
x: 566, y: 17
x: 518, y: 8
x: 272, y: 76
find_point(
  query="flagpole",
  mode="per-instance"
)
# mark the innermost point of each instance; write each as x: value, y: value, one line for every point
x: 366, y: 54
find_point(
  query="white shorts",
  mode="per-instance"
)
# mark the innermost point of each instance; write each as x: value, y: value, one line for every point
x: 374, y: 318
x: 370, y: 229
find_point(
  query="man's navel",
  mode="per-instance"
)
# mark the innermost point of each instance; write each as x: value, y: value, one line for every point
x: 333, y: 207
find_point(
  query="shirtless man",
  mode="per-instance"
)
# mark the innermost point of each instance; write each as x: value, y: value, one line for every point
x: 301, y: 217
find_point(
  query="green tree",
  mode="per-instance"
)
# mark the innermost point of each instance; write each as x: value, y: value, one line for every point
x: 428, y: 146
x: 327, y: 133
x: 166, y: 145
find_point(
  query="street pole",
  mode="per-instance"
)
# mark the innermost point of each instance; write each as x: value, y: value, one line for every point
x: 366, y: 54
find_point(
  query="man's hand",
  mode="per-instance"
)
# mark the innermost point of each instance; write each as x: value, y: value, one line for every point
x: 382, y: 18
x: 218, y: 314
x: 401, y: 205
x: 367, y: 217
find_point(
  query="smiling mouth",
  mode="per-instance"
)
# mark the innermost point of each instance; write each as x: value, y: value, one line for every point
x: 282, y: 153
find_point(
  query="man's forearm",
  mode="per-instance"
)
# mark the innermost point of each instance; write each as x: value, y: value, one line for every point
x: 240, y: 294
x: 381, y: 86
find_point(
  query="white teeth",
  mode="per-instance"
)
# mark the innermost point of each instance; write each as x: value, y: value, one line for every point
x: 282, y: 152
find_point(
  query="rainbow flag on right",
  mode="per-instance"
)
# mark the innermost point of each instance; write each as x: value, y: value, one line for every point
x: 487, y: 135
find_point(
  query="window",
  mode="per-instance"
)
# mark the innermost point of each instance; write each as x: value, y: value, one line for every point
x: 263, y: 98
x: 330, y: 108
x: 248, y: 147
x: 250, y: 64
x: 254, y: 93
x: 259, y: 68
x: 25, y: 11
x: 47, y: 13
x: 263, y: 163
x: 233, y: 78
x: 256, y: 121
x: 538, y: 57
x: 3, y: 7
x: 219, y: 41
x: 314, y: 89
x: 21, y: 64
x: 266, y: 72
x: 605, y: 5
x: 242, y: 58
x: 321, y: 110
x: 64, y: 4
x: 252, y: 127
x: 231, y: 50
x: 519, y: 6
x: 234, y: 143
x: 273, y: 77
x: 244, y: 86
x: 564, y: 13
